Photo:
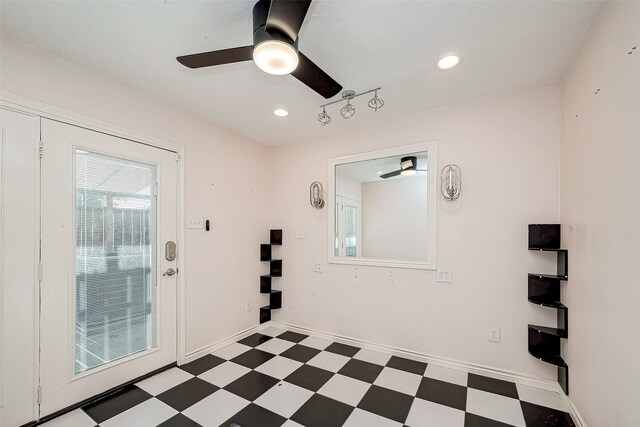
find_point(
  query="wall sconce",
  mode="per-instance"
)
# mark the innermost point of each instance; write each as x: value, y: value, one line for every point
x: 315, y: 195
x: 349, y: 110
x: 451, y: 182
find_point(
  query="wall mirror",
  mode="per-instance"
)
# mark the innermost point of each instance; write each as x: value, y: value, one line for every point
x: 382, y: 208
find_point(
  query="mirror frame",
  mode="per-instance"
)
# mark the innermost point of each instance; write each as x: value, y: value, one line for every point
x: 430, y: 263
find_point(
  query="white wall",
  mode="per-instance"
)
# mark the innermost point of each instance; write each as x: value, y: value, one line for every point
x: 601, y: 218
x: 394, y: 219
x: 508, y: 148
x: 223, y: 265
x: 348, y: 187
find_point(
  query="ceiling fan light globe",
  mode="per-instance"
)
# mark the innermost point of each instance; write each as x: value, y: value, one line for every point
x: 275, y: 57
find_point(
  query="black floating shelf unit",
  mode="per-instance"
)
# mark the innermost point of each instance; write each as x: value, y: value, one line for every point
x: 275, y: 270
x: 544, y: 290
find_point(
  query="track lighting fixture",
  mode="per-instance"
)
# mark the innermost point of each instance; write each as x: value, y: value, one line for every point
x: 375, y: 102
x: 324, y: 118
x: 349, y: 110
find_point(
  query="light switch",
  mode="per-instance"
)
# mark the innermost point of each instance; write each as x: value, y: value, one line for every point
x: 195, y: 222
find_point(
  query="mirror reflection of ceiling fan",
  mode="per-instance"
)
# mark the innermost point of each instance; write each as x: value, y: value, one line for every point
x: 276, y: 24
x: 408, y: 167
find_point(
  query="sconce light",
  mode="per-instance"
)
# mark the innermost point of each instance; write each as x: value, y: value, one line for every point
x: 349, y: 110
x: 451, y: 182
x: 315, y: 195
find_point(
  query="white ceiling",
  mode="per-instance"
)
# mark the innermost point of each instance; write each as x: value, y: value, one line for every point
x: 367, y: 170
x: 362, y: 44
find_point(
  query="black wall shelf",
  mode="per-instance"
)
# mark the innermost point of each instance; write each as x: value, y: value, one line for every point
x: 544, y: 290
x: 275, y: 270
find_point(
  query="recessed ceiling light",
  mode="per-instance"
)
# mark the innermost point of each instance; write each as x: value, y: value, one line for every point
x: 448, y: 61
x: 281, y: 112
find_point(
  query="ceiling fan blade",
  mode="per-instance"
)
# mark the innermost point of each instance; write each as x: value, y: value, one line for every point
x: 287, y: 16
x: 313, y: 76
x: 217, y: 57
x: 390, y: 174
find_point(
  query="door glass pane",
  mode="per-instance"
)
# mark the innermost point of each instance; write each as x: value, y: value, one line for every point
x: 350, y: 233
x: 336, y: 234
x: 115, y: 235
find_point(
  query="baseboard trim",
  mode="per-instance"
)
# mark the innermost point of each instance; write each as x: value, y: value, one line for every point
x: 430, y: 358
x: 575, y: 414
x: 210, y: 348
x: 489, y: 371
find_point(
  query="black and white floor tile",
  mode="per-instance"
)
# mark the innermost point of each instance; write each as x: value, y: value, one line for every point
x: 283, y: 378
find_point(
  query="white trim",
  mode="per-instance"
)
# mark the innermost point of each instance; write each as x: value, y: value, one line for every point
x: 489, y: 371
x: 37, y: 108
x: 37, y: 275
x: 43, y: 110
x: 575, y: 414
x: 2, y: 321
x: 428, y: 358
x: 210, y: 348
x: 106, y: 366
x: 473, y: 368
x: 430, y: 264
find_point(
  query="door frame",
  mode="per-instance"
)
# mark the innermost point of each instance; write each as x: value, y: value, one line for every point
x: 42, y: 110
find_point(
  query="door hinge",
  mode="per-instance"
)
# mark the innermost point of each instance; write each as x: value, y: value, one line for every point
x: 40, y: 272
x: 39, y: 395
x: 155, y: 189
x: 41, y: 149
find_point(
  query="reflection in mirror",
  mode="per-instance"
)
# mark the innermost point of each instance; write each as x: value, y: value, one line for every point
x: 381, y: 208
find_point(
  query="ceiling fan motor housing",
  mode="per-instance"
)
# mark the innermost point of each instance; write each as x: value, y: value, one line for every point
x: 276, y: 24
x: 260, y: 33
x: 412, y: 159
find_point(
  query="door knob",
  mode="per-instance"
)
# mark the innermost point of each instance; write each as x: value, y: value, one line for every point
x: 169, y: 272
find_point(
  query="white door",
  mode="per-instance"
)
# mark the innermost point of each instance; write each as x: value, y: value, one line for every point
x: 19, y: 254
x: 108, y: 295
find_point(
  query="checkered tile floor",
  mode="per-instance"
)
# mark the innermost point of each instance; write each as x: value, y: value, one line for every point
x: 283, y: 378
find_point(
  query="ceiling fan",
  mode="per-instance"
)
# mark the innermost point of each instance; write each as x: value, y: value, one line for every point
x: 276, y: 24
x: 408, y: 166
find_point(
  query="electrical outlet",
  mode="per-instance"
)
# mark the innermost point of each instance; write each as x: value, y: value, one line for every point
x: 317, y: 267
x: 292, y: 304
x: 195, y: 222
x: 494, y: 334
x: 299, y: 234
x: 444, y: 275
x: 248, y: 306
